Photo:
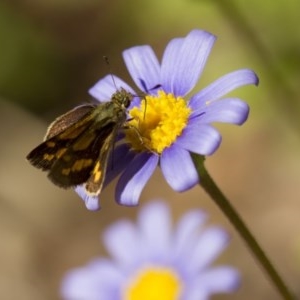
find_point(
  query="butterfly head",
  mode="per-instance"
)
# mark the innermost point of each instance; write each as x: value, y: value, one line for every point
x: 122, y: 98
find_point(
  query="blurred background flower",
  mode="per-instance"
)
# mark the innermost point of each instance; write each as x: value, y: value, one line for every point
x: 154, y: 261
x: 51, y: 53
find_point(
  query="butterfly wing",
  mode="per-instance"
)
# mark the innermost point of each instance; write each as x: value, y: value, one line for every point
x: 78, y: 145
x: 61, y: 133
x: 94, y: 183
x: 85, y: 159
x: 68, y: 119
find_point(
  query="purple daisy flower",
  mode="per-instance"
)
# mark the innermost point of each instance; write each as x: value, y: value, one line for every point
x: 152, y: 261
x: 167, y: 126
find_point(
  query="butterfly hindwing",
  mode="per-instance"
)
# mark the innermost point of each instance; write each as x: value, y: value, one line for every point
x: 81, y: 157
x: 94, y: 183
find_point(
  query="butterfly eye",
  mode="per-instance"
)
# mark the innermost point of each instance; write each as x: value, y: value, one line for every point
x: 126, y: 102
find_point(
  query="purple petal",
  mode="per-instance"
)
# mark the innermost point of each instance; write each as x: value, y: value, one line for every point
x: 96, y: 280
x: 223, y: 86
x: 105, y: 87
x: 170, y: 57
x: 186, y: 233
x: 210, y: 244
x: 178, y: 168
x: 143, y: 67
x: 91, y: 202
x: 199, y: 138
x: 134, y: 178
x: 180, y: 76
x: 155, y: 230
x: 219, y: 280
x: 196, y: 292
x: 77, y: 284
x: 118, y: 235
x: 229, y: 110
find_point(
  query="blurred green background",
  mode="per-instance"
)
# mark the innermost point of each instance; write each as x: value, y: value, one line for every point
x: 51, y: 53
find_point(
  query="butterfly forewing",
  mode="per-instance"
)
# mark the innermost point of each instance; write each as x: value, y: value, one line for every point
x: 68, y: 119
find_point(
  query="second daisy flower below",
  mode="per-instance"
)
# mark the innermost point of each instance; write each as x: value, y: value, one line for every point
x: 154, y: 260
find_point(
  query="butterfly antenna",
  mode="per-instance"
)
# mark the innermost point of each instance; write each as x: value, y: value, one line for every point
x: 109, y: 70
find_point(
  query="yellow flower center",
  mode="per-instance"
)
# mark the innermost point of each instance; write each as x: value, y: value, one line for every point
x: 157, y: 123
x: 153, y: 283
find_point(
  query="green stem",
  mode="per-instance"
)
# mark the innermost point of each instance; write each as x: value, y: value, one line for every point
x: 211, y: 188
